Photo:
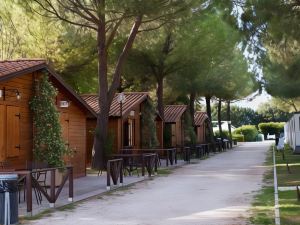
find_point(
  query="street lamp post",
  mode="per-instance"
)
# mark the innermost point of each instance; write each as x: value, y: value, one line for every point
x: 121, y: 100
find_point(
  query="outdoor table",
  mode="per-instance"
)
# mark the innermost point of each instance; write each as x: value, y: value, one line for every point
x: 202, y: 149
x: 128, y: 160
x: 170, y: 152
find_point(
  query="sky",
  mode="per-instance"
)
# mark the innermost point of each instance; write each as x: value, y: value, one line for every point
x: 264, y: 97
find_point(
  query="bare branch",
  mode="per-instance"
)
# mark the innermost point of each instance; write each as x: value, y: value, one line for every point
x: 113, y: 32
x: 54, y: 12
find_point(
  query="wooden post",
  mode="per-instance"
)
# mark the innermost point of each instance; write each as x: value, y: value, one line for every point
x: 52, y: 188
x: 108, y: 176
x: 156, y: 164
x: 167, y: 163
x: 143, y: 166
x: 71, y: 184
x: 175, y: 152
x: 29, y: 193
x: 121, y: 174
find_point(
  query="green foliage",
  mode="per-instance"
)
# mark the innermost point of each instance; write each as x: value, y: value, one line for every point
x: 148, y: 126
x: 239, y: 115
x: 271, y: 128
x: 270, y: 112
x: 249, y: 131
x: 277, y: 47
x: 48, y: 143
x: 190, y: 135
x: 238, y: 137
x: 225, y: 134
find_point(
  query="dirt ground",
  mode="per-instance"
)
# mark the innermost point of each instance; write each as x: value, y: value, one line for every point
x: 216, y: 191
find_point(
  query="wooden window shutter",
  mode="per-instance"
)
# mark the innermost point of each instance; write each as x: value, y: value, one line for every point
x: 2, y: 132
x: 13, y: 131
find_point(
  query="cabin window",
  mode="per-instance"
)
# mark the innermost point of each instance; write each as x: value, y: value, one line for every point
x: 13, y: 131
x: 129, y: 133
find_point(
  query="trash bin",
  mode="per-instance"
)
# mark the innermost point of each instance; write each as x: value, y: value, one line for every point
x: 8, y: 199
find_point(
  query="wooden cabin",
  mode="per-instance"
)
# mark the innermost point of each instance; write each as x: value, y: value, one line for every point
x: 124, y: 127
x: 17, y: 84
x: 174, y: 124
x: 201, y: 123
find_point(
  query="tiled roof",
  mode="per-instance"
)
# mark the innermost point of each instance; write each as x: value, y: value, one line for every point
x: 131, y: 100
x: 11, y: 68
x: 173, y: 112
x: 200, y: 118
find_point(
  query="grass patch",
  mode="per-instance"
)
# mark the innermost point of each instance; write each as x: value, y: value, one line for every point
x: 164, y: 171
x: 284, y: 177
x: 262, y: 211
x: 289, y: 208
x: 263, y: 207
x: 69, y: 207
x: 45, y: 213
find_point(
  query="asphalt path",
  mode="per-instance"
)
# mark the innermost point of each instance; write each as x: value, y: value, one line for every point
x: 215, y: 191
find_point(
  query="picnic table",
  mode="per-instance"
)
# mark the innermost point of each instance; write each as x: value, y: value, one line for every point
x: 170, y: 153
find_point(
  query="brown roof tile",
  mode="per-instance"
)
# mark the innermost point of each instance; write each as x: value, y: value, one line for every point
x: 173, y: 112
x: 11, y: 68
x: 14, y: 68
x: 132, y: 99
x: 199, y: 118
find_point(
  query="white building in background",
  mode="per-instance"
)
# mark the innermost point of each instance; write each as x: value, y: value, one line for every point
x: 292, y: 132
x: 224, y: 125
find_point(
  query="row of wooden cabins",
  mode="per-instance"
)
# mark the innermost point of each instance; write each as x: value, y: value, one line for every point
x: 18, y: 79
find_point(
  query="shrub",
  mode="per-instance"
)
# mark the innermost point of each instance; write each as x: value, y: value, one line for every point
x: 238, y: 137
x: 225, y: 134
x: 249, y: 131
x: 271, y: 128
x: 48, y: 145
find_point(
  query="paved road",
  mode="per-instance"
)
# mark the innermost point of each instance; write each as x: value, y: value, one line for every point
x: 215, y: 191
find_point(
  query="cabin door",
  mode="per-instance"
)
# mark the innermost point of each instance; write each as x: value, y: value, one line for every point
x: 13, y: 131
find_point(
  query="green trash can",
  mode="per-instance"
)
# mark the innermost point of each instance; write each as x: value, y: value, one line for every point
x: 8, y: 199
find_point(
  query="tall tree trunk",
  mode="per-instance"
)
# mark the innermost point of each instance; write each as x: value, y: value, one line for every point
x: 192, y: 107
x: 219, y: 118
x: 106, y: 95
x: 229, y: 119
x: 160, y: 96
x: 98, y: 155
x: 211, y: 132
x: 208, y: 107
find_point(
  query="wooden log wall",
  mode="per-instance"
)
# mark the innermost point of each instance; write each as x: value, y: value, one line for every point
x: 16, y: 128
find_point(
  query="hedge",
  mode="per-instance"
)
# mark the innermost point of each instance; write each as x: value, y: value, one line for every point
x: 249, y: 131
x: 271, y: 128
x: 225, y: 134
x: 238, y: 137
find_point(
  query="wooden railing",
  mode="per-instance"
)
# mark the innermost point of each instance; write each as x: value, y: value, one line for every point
x: 149, y: 163
x: 187, y: 154
x: 54, y: 194
x: 114, y: 172
x: 31, y: 182
x: 170, y: 154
